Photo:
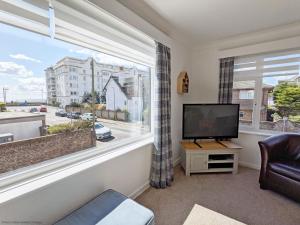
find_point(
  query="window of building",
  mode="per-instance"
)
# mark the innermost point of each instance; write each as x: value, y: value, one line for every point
x: 72, y: 69
x: 246, y: 94
x: 241, y: 94
x: 105, y: 73
x: 268, y: 90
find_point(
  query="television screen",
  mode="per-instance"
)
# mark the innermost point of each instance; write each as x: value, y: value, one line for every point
x: 201, y: 121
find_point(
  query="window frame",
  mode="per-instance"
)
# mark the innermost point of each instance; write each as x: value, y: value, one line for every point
x: 18, y: 176
x: 257, y: 76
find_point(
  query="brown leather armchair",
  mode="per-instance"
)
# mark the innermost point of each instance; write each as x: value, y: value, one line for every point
x: 280, y: 164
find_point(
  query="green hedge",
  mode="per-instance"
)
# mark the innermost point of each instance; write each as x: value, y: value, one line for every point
x: 2, y: 107
x: 69, y: 127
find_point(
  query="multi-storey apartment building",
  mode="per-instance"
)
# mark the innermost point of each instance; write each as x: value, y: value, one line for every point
x: 73, y: 78
x: 51, y: 85
x: 70, y: 78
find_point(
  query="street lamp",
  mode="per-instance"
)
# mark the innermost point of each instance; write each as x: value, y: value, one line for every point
x: 114, y: 102
x: 93, y: 94
x: 4, y: 94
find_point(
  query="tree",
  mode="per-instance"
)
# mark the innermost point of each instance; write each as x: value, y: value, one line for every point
x: 87, y: 98
x: 287, y: 99
x: 75, y: 104
x: 2, y: 107
x: 98, y: 98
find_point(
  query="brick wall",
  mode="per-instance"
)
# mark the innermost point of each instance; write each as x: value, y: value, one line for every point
x: 14, y: 155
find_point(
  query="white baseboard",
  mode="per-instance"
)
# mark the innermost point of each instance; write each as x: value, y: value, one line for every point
x: 249, y: 165
x: 139, y: 190
x: 146, y: 185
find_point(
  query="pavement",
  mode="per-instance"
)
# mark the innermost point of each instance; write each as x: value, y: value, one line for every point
x: 120, y: 130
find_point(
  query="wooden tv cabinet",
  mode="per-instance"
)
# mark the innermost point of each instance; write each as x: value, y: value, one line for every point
x: 213, y: 156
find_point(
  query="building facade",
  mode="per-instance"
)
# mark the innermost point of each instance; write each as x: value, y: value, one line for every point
x: 73, y: 78
x: 243, y: 94
x: 120, y: 88
x: 51, y: 85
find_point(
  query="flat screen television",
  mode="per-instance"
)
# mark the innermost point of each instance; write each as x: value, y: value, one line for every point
x: 210, y: 121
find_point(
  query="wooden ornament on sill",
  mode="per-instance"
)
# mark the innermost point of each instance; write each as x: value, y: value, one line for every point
x: 183, y: 83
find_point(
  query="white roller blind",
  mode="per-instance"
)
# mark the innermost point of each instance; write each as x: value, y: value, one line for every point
x: 30, y: 15
x: 273, y: 64
x: 81, y: 23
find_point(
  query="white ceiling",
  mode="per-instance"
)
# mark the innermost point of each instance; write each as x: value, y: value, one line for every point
x: 210, y: 20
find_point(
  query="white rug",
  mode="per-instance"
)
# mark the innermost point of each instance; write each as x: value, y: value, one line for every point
x: 203, y: 216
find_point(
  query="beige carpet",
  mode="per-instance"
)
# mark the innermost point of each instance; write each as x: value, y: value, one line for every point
x: 236, y: 196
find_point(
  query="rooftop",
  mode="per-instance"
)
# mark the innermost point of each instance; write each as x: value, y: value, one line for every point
x: 19, y: 117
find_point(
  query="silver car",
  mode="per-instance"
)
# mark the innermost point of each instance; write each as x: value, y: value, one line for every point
x: 87, y: 116
x: 102, y: 132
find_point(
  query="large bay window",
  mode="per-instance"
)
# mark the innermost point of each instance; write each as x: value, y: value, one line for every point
x: 70, y: 69
x: 267, y: 87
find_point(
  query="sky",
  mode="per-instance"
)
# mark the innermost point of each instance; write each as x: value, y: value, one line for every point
x: 25, y: 55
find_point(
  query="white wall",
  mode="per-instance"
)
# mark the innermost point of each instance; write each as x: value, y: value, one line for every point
x: 23, y: 130
x: 180, y: 61
x: 250, y: 155
x: 126, y: 173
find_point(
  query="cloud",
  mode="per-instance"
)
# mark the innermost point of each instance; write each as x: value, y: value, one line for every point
x: 11, y: 68
x: 82, y: 51
x: 29, y: 89
x: 24, y: 57
x: 32, y: 84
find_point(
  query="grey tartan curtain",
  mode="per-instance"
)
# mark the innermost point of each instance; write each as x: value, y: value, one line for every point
x: 162, y: 164
x: 226, y: 80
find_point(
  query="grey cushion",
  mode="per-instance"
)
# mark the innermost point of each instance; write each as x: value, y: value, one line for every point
x: 98, y: 208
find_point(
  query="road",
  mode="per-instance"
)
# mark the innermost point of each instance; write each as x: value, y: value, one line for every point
x: 120, y: 130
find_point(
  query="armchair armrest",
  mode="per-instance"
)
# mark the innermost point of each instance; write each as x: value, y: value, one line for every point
x: 271, y: 149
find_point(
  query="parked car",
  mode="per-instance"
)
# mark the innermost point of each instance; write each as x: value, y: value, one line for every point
x: 43, y: 108
x: 73, y: 115
x: 61, y: 113
x: 23, y: 104
x: 102, y: 132
x: 33, y: 110
x: 87, y: 116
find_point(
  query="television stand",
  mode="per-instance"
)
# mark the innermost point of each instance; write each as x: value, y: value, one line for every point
x: 212, y: 156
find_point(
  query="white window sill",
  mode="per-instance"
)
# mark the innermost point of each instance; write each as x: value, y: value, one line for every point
x: 261, y: 132
x: 32, y: 183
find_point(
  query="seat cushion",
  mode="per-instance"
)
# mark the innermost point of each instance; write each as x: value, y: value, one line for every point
x: 287, y: 168
x: 129, y: 212
x: 110, y: 207
x: 94, y: 210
